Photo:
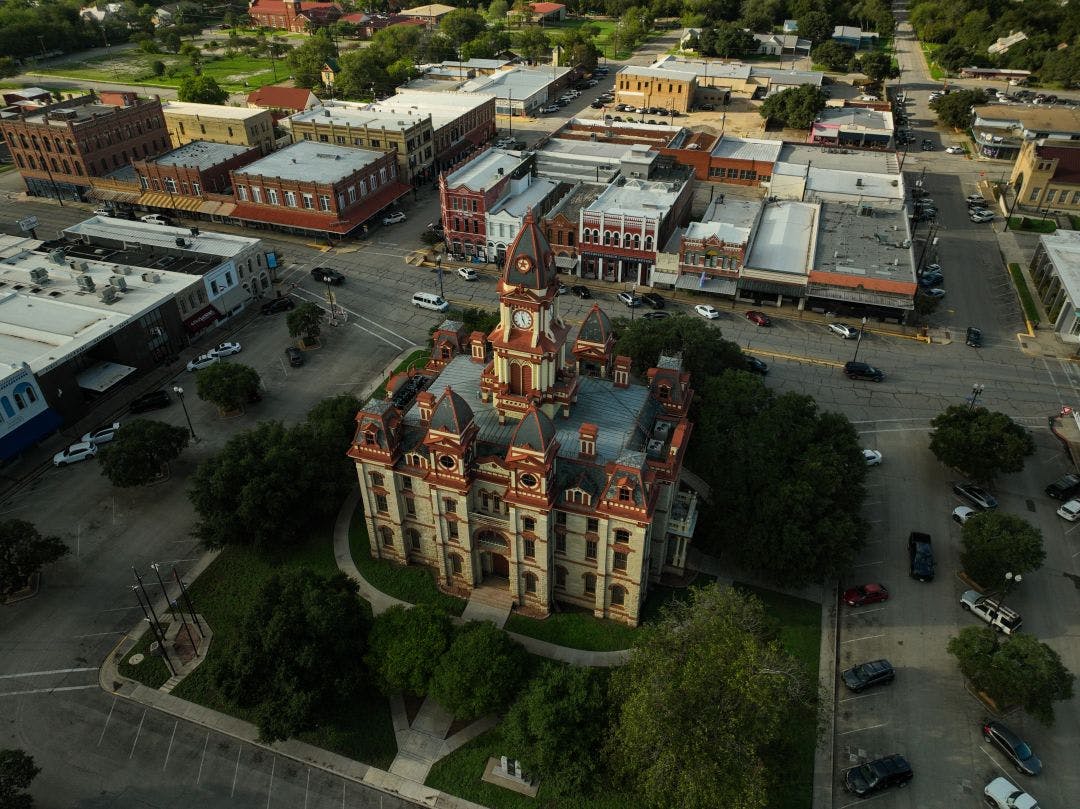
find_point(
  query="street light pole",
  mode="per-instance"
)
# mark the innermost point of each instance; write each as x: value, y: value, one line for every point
x: 976, y: 390
x: 439, y: 273
x: 858, y: 341
x: 179, y: 391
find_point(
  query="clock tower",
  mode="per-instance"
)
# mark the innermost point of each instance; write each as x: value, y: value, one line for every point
x: 529, y: 344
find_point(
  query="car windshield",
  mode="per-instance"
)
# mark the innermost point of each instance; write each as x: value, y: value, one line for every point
x: 1023, y: 752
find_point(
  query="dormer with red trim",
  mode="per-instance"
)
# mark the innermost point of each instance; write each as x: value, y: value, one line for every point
x: 378, y: 433
x: 447, y: 342
x: 594, y: 346
x: 628, y: 493
x: 425, y: 405
x: 670, y: 385
x: 450, y: 439
x: 478, y: 347
x: 621, y: 374
x: 531, y: 459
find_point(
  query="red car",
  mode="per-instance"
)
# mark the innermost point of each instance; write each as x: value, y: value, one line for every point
x: 758, y: 318
x: 865, y: 594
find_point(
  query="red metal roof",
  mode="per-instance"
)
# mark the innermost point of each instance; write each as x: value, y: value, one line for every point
x: 546, y: 8
x: 1068, y: 157
x: 277, y: 97
x: 325, y: 222
x: 278, y: 7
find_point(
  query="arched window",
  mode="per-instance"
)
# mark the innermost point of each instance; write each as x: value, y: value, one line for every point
x: 560, y: 576
x: 387, y: 536
x: 607, y: 237
x: 622, y: 536
x: 585, y: 236
x: 590, y: 583
x: 618, y: 596
x: 455, y: 564
x: 626, y: 240
x: 19, y: 402
x: 414, y: 538
x: 530, y: 583
x: 637, y: 241
x: 648, y: 242
x: 489, y: 537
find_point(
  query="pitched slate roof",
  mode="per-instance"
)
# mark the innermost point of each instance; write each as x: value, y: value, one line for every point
x: 535, y: 431
x: 596, y: 327
x: 452, y: 413
x: 529, y: 261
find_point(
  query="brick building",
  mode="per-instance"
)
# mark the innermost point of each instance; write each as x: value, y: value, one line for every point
x: 1046, y: 176
x: 243, y: 126
x: 282, y: 101
x: 531, y: 466
x: 192, y: 171
x: 59, y: 147
x: 293, y: 15
x: 317, y: 188
x: 467, y: 194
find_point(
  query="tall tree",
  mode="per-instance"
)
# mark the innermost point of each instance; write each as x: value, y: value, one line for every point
x: 729, y: 41
x: 995, y: 543
x: 980, y: 443
x: 228, y: 385
x: 462, y: 25
x: 479, y: 673
x: 876, y: 66
x: 954, y: 109
x: 201, y: 90
x: 533, y: 43
x: 1017, y: 670
x: 295, y: 661
x: 496, y: 11
x: 305, y: 322
x: 306, y: 60
x: 706, y: 692
x: 815, y: 26
x: 405, y: 646
x: 833, y: 55
x: 796, y: 107
x: 705, y: 352
x: 17, y: 772
x: 141, y: 452
x: 23, y: 552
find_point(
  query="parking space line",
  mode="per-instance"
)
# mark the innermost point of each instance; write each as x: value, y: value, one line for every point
x: 867, y: 612
x: 860, y: 730
x: 270, y: 791
x: 871, y: 564
x: 43, y: 673
x: 138, y: 733
x: 863, y: 801
x: 99, y: 634
x: 307, y: 787
x: 48, y: 690
x: 860, y: 696
x: 236, y: 771
x: 107, y: 718
x: 1003, y: 770
x: 202, y: 759
x: 169, y: 751
x: 865, y: 637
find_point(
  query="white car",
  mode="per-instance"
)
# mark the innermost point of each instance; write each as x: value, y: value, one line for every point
x: 394, y: 218
x: 101, y: 436
x: 706, y: 311
x: 872, y: 457
x: 202, y: 361
x: 981, y: 216
x: 154, y: 219
x: 844, y: 330
x: 468, y: 273
x: 1070, y: 510
x: 79, y: 451
x: 962, y: 514
x: 224, y: 350
x: 1004, y: 794
x: 954, y: 149
x: 975, y: 198
x: 103, y: 212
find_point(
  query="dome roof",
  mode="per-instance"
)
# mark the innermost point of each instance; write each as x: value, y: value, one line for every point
x: 596, y: 328
x: 452, y: 414
x: 535, y: 431
x: 529, y: 260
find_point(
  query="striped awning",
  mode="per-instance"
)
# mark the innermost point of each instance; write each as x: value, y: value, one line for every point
x: 209, y: 207
x: 151, y: 199
x: 110, y: 195
x: 664, y: 277
x: 718, y: 286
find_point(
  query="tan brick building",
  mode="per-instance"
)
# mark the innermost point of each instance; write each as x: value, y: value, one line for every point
x: 527, y: 461
x: 241, y: 126
x: 1047, y: 175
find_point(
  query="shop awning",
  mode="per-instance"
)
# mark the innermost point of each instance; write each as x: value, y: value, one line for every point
x: 171, y: 201
x: 210, y: 208
x: 110, y: 195
x: 205, y: 317
x: 771, y: 287
x: 103, y: 376
x: 664, y: 277
x: 717, y: 286
x: 565, y: 262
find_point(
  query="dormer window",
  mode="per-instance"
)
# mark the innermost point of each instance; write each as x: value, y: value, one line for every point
x: 529, y: 480
x: 624, y: 494
x: 664, y: 392
x: 447, y: 461
x: 369, y: 437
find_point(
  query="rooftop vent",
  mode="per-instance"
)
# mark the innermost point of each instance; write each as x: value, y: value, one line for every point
x: 180, y: 241
x: 85, y: 282
x: 57, y: 256
x: 39, y: 275
x: 109, y: 294
x: 151, y: 277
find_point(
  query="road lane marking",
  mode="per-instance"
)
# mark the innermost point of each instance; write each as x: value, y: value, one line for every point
x: 236, y: 771
x: 860, y: 730
x: 384, y: 328
x: 865, y: 637
x: 138, y: 733
x: 48, y: 690
x: 202, y: 759
x: 107, y: 718
x: 43, y: 673
x: 380, y: 337
x: 169, y: 751
x: 99, y: 634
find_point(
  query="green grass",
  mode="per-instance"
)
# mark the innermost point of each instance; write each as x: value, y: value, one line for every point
x: 1032, y: 225
x: 1031, y: 311
x: 234, y: 74
x: 412, y: 584
x: 152, y: 671
x: 605, y: 39
x: 363, y: 730
x: 936, y: 71
x: 418, y: 359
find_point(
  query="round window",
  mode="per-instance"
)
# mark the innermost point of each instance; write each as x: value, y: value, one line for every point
x: 449, y: 461
x: 529, y: 480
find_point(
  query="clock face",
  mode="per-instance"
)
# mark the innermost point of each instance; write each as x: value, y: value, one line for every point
x: 528, y: 480
x: 448, y: 461
x: 522, y: 319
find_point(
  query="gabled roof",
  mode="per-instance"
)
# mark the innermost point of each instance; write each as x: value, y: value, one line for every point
x: 278, y: 97
x: 596, y: 328
x: 452, y: 414
x: 529, y: 261
x: 546, y: 8
x: 534, y: 432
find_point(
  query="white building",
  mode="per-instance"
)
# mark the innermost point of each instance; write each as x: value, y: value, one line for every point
x: 1055, y: 269
x: 520, y: 91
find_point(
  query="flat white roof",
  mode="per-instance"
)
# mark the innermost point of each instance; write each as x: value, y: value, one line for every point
x: 735, y: 148
x: 443, y: 107
x: 645, y: 198
x: 784, y: 238
x: 46, y: 321
x: 823, y: 157
x: 1063, y: 249
x: 349, y: 113
x: 705, y: 68
x: 519, y: 83
x: 208, y: 242
x: 308, y: 160
x: 482, y: 172
x: 729, y: 221
x: 532, y: 196
x: 210, y: 110
x: 857, y: 118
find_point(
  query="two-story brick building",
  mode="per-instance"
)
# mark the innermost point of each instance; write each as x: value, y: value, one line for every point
x: 243, y: 126
x: 293, y: 15
x: 191, y: 171
x: 708, y: 254
x: 468, y: 193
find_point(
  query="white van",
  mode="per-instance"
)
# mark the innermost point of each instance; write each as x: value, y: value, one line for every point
x: 429, y: 300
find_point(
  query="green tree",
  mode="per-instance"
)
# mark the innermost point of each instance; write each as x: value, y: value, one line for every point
x: 533, y: 43
x: 306, y: 60
x: 17, y: 772
x: 833, y: 55
x: 229, y: 385
x: 706, y: 692
x: 141, y: 452
x: 496, y: 11
x: 995, y: 543
x: 954, y: 56
x: 23, y: 552
x: 579, y: 46
x: 170, y: 40
x: 296, y: 658
x: 479, y: 673
x: 704, y: 351
x: 488, y: 45
x: 201, y: 90
x: 158, y: 67
x: 954, y: 109
x: 815, y: 26
x: 462, y: 25
x: 305, y: 321
x: 8, y: 67
x: 728, y: 41
x: 333, y: 425
x: 759, y: 15
x: 979, y: 443
x: 405, y: 646
x: 556, y: 726
x: 796, y: 107
x: 877, y: 66
x: 1013, y: 670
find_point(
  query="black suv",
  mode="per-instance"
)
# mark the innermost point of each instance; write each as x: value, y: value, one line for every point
x: 155, y: 400
x: 581, y: 291
x: 973, y: 337
x: 874, y: 776
x: 327, y: 275
x: 654, y: 300
x: 921, y: 554
x: 278, y: 305
x: 1064, y: 487
x: 1025, y: 761
x: 875, y: 672
x: 860, y: 370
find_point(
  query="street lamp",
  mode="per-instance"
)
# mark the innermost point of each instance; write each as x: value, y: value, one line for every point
x: 976, y: 390
x: 329, y: 296
x: 858, y: 341
x: 179, y: 391
x: 439, y: 273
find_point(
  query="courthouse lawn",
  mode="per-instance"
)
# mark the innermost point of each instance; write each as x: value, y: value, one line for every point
x: 135, y: 67
x: 223, y: 594
x: 605, y: 40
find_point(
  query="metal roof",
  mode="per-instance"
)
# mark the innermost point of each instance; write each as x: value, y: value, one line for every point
x: 349, y: 113
x: 645, y: 198
x: 210, y: 110
x: 145, y: 234
x: 520, y: 83
x: 316, y: 162
x: 484, y: 171
x: 531, y: 197
x: 200, y: 154
x: 784, y: 238
x: 734, y: 148
x: 865, y: 241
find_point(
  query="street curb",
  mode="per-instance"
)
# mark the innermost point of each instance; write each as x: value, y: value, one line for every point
x: 825, y: 754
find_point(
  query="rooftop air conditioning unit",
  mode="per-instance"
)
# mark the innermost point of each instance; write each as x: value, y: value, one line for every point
x: 118, y: 281
x: 39, y: 275
x: 84, y: 266
x: 180, y: 241
x: 57, y: 256
x: 108, y: 294
x: 151, y: 277
x: 85, y: 282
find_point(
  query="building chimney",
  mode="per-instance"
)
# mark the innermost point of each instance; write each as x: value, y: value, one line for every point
x: 622, y: 371
x: 477, y: 342
x: 426, y: 402
x: 587, y: 440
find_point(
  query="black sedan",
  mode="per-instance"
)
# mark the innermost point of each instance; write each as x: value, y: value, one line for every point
x: 756, y: 366
x: 973, y: 337
x: 155, y: 400
x: 326, y: 275
x: 864, y: 675
x: 277, y: 305
x: 1015, y: 748
x: 654, y: 300
x: 581, y: 291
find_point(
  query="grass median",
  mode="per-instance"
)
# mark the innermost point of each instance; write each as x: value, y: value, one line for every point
x: 1031, y: 311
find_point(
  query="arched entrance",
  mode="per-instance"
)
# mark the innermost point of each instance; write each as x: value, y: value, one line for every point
x: 495, y: 565
x: 520, y: 378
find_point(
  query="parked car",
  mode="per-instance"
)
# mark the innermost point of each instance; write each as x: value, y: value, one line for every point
x: 844, y: 330
x: 468, y: 273
x: 756, y: 366
x: 706, y: 311
x: 706, y: 107
x: 202, y: 361
x: 758, y: 318
x: 654, y: 300
x: 154, y: 400
x: 872, y: 457
x: 581, y: 291
x: 326, y: 275
x: 975, y: 198
x: 597, y: 105
x: 879, y: 774
x: 1014, y: 748
x: 154, y: 219
x: 549, y: 108
x: 973, y: 337
x: 295, y: 356
x: 962, y: 514
x: 920, y: 556
x: 1003, y: 619
x: 225, y: 350
x: 931, y: 279
x: 976, y: 495
x: 1001, y: 793
x: 79, y: 451
x: 865, y: 594
x: 864, y: 675
x: 102, y: 435
x: 1069, y: 510
x: 980, y: 217
x: 862, y: 370
x: 937, y: 293
x: 283, y: 304
x: 1064, y: 487
x: 394, y: 218
x: 954, y: 149
x: 629, y: 300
